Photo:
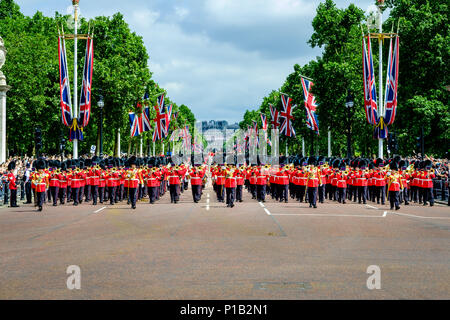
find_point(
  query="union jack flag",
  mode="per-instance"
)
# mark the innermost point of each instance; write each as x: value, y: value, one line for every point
x: 264, y: 128
x: 86, y: 87
x: 286, y: 114
x: 135, y: 124
x: 392, y: 84
x: 312, y: 122
x: 167, y: 116
x: 275, y: 117
x: 370, y: 93
x: 64, y: 86
x: 159, y: 132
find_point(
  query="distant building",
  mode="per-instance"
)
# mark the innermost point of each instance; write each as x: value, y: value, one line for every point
x: 215, y: 132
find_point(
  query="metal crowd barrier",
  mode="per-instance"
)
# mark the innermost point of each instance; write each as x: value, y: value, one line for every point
x: 440, y: 189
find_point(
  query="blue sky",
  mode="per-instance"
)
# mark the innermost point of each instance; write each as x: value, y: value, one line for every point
x: 219, y: 57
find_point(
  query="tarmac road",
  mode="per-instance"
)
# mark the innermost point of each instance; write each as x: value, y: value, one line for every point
x: 208, y: 251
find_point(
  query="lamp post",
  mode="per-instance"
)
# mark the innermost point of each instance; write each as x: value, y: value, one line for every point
x: 100, y: 105
x: 349, y: 106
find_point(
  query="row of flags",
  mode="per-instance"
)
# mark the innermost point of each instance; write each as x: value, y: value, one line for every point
x: 282, y: 119
x: 76, y: 124
x: 140, y: 122
x: 380, y: 122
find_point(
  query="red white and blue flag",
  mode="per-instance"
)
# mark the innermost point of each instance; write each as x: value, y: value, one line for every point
x: 312, y: 121
x: 167, y: 116
x: 135, y: 124
x: 275, y: 117
x: 64, y: 86
x: 264, y: 128
x: 391, y: 83
x: 370, y: 93
x: 86, y: 87
x: 286, y: 116
x: 159, y: 132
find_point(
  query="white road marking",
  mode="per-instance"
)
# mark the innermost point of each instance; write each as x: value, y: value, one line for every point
x: 385, y: 213
x: 372, y: 207
x: 267, y: 211
x: 420, y: 217
x: 99, y: 210
x: 207, y: 204
x: 261, y: 204
x: 323, y: 215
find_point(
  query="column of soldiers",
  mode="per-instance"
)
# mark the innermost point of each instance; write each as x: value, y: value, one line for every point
x: 310, y: 179
x: 315, y: 179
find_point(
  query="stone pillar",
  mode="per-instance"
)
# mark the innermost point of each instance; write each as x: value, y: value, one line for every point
x: 3, y: 89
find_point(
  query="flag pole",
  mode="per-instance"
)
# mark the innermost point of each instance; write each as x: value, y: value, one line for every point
x: 380, y: 70
x: 75, y: 78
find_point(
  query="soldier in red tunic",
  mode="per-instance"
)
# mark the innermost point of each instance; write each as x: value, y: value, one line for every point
x: 40, y: 181
x: 230, y: 186
x: 394, y: 182
x: 12, y: 184
x: 196, y: 177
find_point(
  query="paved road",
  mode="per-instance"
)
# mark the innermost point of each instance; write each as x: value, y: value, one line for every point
x: 208, y: 251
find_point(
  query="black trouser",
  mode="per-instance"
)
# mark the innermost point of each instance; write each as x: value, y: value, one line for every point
x: 75, y: 195
x: 341, y: 194
x: 283, y: 191
x: 132, y: 196
x: 380, y: 192
x: 28, y: 191
x: 393, y: 199
x: 22, y: 190
x: 220, y: 192
x: 40, y: 196
x: 49, y: 195
x: 174, y: 192
x: 196, y: 192
x: 69, y: 194
x: 87, y: 192
x: 253, y: 190
x: 312, y: 195
x: 112, y: 194
x: 231, y: 192
x: 55, y: 193
x: 239, y: 193
x: 153, y: 193
x: 261, y: 192
x: 428, y: 196
x: 362, y: 194
x: 81, y: 194
x: 101, y: 193
x: 94, y: 194
x: 273, y: 190
x: 301, y: 192
x: 13, y: 201
x: 291, y: 190
x: 321, y: 193
x: 62, y: 195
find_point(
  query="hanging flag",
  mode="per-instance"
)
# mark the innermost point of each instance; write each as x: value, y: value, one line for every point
x: 146, y: 124
x: 391, y: 83
x: 166, y: 122
x: 312, y: 121
x: 135, y: 124
x: 86, y: 87
x: 370, y: 93
x: 275, y: 117
x: 64, y: 86
x: 158, y: 133
x: 264, y: 128
x: 286, y: 114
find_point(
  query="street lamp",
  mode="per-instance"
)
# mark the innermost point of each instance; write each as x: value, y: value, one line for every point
x: 101, y: 104
x: 349, y: 106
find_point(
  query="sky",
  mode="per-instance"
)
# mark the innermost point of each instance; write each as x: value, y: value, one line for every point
x: 218, y: 57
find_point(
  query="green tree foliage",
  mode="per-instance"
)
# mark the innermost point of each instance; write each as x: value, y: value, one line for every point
x: 121, y: 75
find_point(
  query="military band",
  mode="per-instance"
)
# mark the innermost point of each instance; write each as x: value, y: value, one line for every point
x: 311, y: 180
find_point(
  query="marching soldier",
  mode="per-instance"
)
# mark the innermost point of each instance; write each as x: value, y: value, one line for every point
x: 240, y: 180
x: 313, y: 183
x: 261, y: 182
x: 342, y: 182
x: 427, y: 183
x: 174, y: 185
x: 55, y: 176
x: 133, y: 177
x: 230, y: 186
x: 394, y: 186
x: 63, y: 181
x: 41, y: 182
x: 283, y: 184
x: 196, y: 177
